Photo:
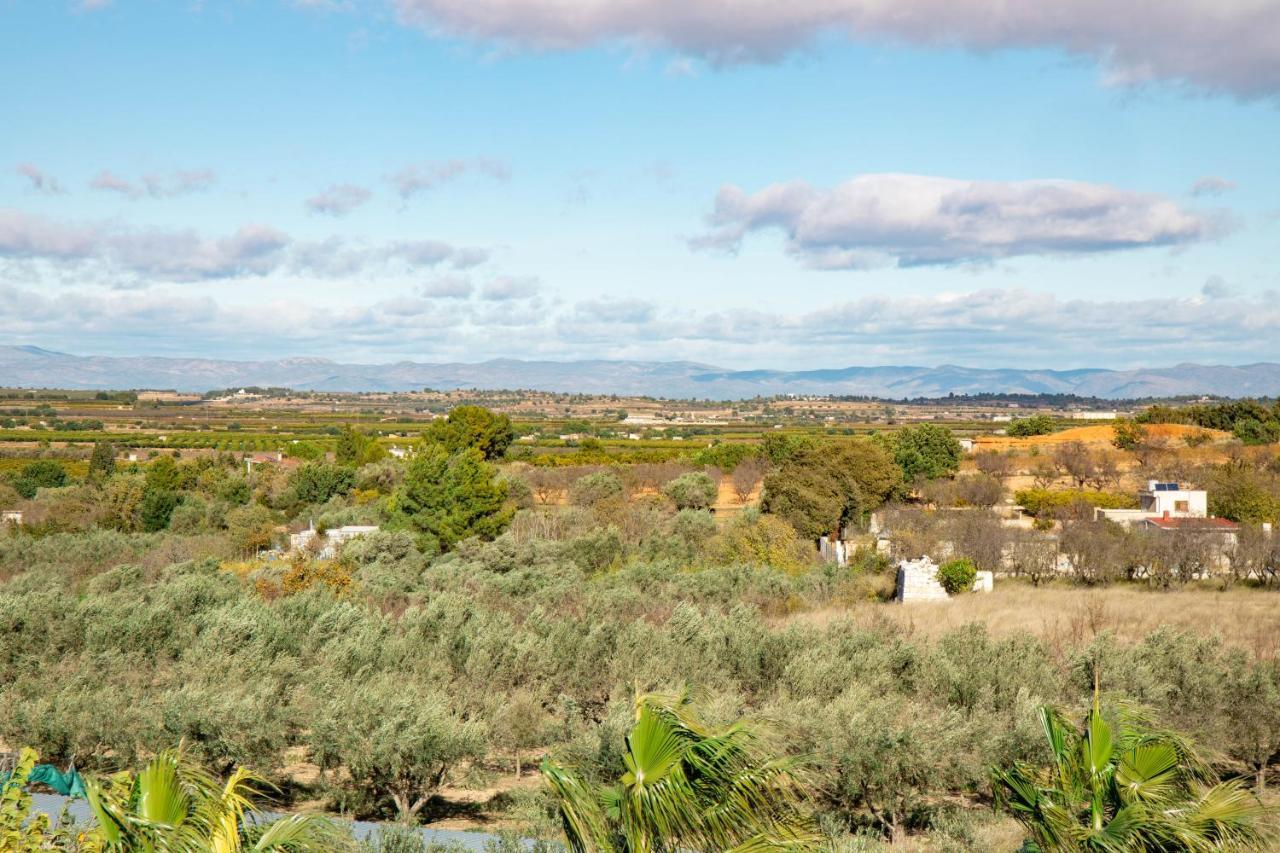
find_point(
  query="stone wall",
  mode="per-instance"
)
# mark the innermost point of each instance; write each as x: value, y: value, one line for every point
x: 918, y: 581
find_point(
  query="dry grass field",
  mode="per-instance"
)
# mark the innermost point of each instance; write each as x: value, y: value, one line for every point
x: 1245, y: 617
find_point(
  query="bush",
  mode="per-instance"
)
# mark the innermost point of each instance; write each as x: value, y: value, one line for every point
x: 957, y: 576
x: 694, y: 490
x: 596, y: 488
x: 1034, y: 425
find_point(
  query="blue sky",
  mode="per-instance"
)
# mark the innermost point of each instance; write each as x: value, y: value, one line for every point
x: 746, y: 184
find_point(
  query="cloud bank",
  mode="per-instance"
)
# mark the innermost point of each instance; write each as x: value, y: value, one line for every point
x: 911, y: 220
x: 152, y: 256
x: 1212, y: 45
x: 994, y: 327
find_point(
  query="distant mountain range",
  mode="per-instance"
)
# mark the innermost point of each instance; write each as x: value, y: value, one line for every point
x: 24, y: 366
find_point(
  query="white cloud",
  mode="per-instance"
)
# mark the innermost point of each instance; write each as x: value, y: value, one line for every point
x: 339, y: 200
x: 885, y: 219
x: 158, y: 255
x: 980, y: 328
x: 1214, y: 45
x: 418, y: 178
x: 41, y: 181
x: 509, y: 288
x: 448, y: 287
x: 155, y: 185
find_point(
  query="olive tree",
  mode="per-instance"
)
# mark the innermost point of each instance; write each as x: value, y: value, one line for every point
x: 396, y: 741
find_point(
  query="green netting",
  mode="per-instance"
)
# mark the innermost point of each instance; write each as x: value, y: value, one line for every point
x: 69, y: 784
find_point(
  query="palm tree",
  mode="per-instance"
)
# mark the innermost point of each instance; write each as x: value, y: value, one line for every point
x: 1134, y: 788
x: 174, y: 806
x: 687, y: 787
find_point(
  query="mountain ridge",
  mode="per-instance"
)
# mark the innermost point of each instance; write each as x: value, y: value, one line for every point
x: 32, y: 367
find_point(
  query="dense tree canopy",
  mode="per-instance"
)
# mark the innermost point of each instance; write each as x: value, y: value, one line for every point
x: 820, y: 489
x: 449, y: 497
x: 475, y: 427
x: 926, y: 452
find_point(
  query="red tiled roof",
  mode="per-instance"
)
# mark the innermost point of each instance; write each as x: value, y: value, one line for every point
x: 1219, y: 524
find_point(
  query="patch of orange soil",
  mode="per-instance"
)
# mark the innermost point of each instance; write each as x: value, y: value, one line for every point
x: 1096, y: 434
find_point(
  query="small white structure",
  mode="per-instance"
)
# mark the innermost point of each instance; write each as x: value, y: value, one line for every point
x: 11, y: 516
x: 984, y: 582
x: 967, y: 445
x: 398, y: 452
x: 1161, y: 500
x: 1094, y: 416
x: 918, y: 581
x: 326, y: 545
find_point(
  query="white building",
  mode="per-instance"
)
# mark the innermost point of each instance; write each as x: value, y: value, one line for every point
x: 1094, y: 416
x: 326, y: 545
x: 1161, y: 500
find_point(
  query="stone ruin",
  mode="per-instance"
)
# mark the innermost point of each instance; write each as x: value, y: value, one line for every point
x: 918, y: 581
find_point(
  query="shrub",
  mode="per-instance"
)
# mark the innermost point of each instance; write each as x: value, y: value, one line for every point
x: 1034, y: 425
x: 957, y: 576
x: 694, y: 490
x: 596, y: 488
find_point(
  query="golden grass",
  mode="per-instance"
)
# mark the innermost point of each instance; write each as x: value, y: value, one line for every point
x: 1244, y: 617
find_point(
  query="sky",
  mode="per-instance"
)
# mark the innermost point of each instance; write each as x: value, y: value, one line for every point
x: 741, y: 183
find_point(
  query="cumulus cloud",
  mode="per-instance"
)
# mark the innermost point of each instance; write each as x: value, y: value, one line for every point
x: 149, y: 254
x: 165, y: 255
x: 41, y: 181
x: 155, y: 185
x: 448, y: 287
x: 510, y: 288
x: 1212, y: 185
x: 1213, y: 45
x: 909, y: 220
x: 616, y: 310
x: 339, y: 200
x: 418, y: 178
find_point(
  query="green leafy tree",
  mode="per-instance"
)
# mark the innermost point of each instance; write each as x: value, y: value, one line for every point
x: 157, y: 508
x: 686, y: 786
x: 350, y: 447
x: 1032, y: 425
x: 102, y: 462
x: 317, y: 481
x: 694, y: 490
x: 250, y: 527
x: 926, y: 452
x: 474, y: 427
x: 1244, y: 492
x: 163, y: 474
x: 1126, y: 787
x: 354, y: 448
x: 41, y: 474
x: 396, y: 744
x: 596, y: 488
x: 823, y: 488
x: 448, y: 498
